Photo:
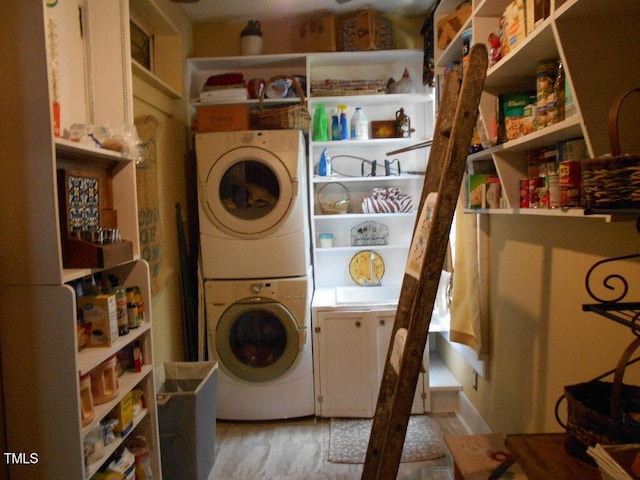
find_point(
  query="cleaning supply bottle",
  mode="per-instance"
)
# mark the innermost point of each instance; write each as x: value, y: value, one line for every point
x: 335, y: 125
x: 320, y: 124
x: 359, y: 125
x: 324, y: 166
x: 344, y: 124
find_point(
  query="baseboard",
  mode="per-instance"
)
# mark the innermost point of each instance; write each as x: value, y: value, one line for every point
x: 470, y: 417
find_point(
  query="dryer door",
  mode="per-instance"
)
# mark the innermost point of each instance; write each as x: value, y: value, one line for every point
x: 248, y: 192
x: 258, y: 342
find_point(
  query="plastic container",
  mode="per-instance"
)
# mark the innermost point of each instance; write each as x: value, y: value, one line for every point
x: 326, y: 240
x: 359, y: 125
x: 104, y: 381
x: 187, y: 419
x: 320, y: 124
x: 324, y: 166
x: 86, y: 400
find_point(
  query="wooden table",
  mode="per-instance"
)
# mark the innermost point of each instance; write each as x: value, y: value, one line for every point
x: 543, y: 456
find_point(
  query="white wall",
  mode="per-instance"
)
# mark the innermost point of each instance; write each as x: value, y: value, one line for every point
x: 540, y: 339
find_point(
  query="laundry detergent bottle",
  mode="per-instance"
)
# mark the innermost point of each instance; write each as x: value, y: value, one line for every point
x: 320, y: 124
x: 359, y: 125
x: 344, y: 124
x: 335, y: 125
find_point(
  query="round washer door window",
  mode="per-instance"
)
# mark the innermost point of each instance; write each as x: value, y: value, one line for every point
x: 248, y: 192
x: 257, y: 342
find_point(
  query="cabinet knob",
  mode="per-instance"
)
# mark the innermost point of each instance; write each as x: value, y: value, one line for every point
x: 381, y: 322
x: 358, y: 324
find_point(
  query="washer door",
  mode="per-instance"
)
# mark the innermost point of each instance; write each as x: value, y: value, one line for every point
x: 248, y: 192
x: 257, y: 342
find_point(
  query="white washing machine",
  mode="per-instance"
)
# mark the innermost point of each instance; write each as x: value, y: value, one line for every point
x: 259, y: 334
x: 253, y: 204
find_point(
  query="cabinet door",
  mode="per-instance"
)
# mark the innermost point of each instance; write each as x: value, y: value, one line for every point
x: 346, y: 364
x: 382, y: 324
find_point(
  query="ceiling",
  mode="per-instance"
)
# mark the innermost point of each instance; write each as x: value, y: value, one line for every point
x: 242, y: 10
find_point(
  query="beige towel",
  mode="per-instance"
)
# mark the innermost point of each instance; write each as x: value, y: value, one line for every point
x: 466, y: 312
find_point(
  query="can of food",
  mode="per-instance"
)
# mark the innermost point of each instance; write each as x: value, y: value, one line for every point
x: 553, y: 190
x: 536, y: 189
x: 545, y: 77
x: 570, y: 183
x: 575, y: 149
x: 524, y: 193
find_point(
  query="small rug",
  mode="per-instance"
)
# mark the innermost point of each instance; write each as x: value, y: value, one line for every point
x: 349, y: 439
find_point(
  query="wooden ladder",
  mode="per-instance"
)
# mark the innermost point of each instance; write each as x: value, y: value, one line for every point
x: 455, y: 122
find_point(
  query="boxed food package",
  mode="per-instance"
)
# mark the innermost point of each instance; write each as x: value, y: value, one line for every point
x: 516, y: 114
x: 363, y: 30
x: 315, y: 35
x: 100, y: 319
x: 123, y: 413
x: 483, y: 191
x: 514, y: 26
x: 223, y: 118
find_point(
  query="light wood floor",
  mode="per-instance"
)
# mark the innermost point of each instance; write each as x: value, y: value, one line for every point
x: 298, y: 449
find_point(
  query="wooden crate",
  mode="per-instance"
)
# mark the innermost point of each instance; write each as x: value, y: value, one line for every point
x: 315, y: 35
x: 223, y: 118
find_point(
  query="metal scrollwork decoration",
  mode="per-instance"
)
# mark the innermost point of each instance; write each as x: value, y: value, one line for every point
x: 616, y: 283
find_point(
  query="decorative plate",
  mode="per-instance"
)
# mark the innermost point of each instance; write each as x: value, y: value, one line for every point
x: 360, y: 267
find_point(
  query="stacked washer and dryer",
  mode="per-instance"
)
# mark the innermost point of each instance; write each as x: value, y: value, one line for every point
x: 255, y: 251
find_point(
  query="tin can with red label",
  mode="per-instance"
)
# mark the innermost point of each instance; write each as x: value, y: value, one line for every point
x: 570, y: 183
x: 536, y: 187
x: 524, y: 193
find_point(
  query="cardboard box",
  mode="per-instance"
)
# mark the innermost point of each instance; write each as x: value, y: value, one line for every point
x: 315, y: 35
x: 364, y: 30
x: 449, y: 26
x: 100, y: 319
x: 516, y: 114
x: 223, y: 118
x: 515, y: 26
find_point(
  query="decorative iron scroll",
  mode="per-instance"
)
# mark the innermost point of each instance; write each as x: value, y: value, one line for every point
x: 616, y: 283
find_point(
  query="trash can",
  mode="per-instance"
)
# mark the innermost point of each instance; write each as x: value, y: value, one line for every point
x: 187, y: 419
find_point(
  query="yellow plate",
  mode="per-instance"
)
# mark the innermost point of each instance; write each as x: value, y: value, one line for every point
x: 360, y: 267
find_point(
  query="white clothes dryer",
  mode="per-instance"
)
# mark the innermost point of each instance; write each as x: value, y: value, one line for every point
x: 253, y: 204
x: 259, y: 334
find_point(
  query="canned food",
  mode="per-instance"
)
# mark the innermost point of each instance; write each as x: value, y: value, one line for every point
x: 569, y: 183
x: 524, y: 193
x: 536, y: 190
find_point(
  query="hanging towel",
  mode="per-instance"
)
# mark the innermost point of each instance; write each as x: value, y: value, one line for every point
x: 467, y: 313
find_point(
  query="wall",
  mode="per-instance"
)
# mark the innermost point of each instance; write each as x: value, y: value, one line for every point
x: 540, y: 339
x: 213, y: 39
x: 172, y: 148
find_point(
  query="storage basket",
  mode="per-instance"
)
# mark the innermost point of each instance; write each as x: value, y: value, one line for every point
x: 332, y: 202
x: 292, y: 117
x: 613, y: 181
x: 598, y: 411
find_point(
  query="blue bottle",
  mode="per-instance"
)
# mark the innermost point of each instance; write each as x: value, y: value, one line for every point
x: 335, y: 126
x: 324, y: 166
x: 344, y: 123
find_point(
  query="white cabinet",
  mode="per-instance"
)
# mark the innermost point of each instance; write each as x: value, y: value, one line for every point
x: 352, y: 177
x: 350, y: 351
x: 41, y: 364
x: 595, y: 44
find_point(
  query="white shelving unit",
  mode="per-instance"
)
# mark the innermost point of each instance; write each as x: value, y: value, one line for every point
x: 41, y: 361
x: 598, y: 71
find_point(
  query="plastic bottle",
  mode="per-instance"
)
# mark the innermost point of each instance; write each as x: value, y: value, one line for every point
x: 324, y: 166
x: 121, y: 304
x: 335, y: 125
x: 344, y: 124
x: 320, y: 124
x: 359, y: 125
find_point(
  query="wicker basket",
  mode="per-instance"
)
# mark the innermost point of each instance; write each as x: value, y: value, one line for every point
x: 328, y: 202
x: 597, y: 411
x: 613, y: 181
x: 293, y: 117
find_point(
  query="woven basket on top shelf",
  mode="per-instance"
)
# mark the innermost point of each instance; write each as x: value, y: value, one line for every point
x: 613, y: 181
x: 293, y: 117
